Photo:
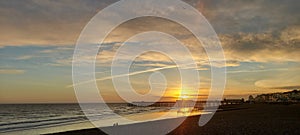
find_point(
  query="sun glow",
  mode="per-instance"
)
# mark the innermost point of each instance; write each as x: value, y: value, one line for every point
x: 184, y: 97
x: 186, y: 94
x: 181, y: 94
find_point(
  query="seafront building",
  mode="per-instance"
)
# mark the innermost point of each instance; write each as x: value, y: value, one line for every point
x: 290, y: 97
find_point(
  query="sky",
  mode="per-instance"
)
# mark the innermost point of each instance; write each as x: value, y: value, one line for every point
x: 260, y: 39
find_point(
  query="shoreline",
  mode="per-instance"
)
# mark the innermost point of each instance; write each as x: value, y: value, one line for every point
x: 144, y: 118
x: 233, y: 119
x: 104, y: 122
x: 175, y: 119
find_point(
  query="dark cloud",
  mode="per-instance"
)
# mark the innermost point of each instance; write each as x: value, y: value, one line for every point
x: 47, y: 22
x: 249, y: 16
x: 271, y: 46
x: 249, y: 30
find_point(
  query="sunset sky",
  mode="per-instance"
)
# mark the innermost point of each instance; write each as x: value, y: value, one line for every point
x: 261, y: 42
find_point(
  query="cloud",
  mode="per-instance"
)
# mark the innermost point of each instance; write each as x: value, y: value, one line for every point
x: 256, y: 16
x: 264, y: 47
x: 25, y: 57
x: 255, y: 31
x: 11, y: 71
x: 286, y: 87
x: 282, y: 80
x: 271, y: 44
x: 56, y: 49
x: 257, y: 70
x: 32, y: 22
x: 61, y: 62
x: 248, y: 32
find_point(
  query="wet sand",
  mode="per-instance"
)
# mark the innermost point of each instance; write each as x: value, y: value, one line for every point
x: 234, y: 119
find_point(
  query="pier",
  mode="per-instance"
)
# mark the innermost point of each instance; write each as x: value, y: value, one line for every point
x: 188, y: 103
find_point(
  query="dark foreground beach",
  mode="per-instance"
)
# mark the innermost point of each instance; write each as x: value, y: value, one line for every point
x: 233, y: 119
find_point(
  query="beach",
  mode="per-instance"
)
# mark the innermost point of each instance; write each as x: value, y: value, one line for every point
x: 231, y: 119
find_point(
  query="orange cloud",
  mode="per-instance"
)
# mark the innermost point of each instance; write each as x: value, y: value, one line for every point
x: 11, y: 71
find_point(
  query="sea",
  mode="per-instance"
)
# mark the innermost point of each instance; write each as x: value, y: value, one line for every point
x: 51, y: 118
